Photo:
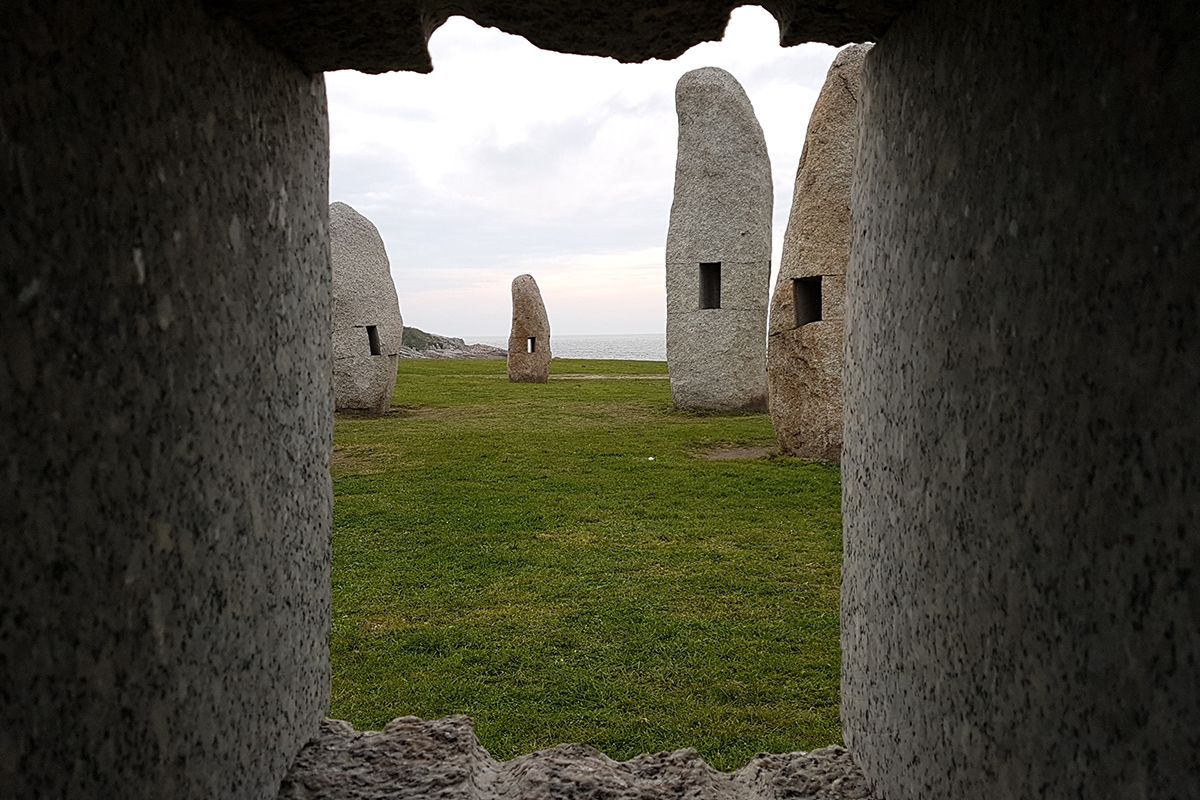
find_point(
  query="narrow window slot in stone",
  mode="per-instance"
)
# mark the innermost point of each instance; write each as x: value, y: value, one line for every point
x: 373, y: 339
x: 710, y: 284
x: 806, y: 297
x: 532, y: 344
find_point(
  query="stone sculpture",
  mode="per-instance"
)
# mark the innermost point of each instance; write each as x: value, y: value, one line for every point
x: 1020, y: 483
x: 367, y: 327
x: 529, y: 341
x: 718, y: 248
x: 804, y: 345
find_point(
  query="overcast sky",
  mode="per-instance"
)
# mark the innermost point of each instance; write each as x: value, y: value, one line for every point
x: 508, y: 159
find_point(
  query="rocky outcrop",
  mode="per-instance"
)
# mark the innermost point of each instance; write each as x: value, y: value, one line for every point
x: 804, y: 348
x: 367, y: 328
x: 419, y: 344
x: 413, y: 758
x: 718, y: 248
x: 529, y: 341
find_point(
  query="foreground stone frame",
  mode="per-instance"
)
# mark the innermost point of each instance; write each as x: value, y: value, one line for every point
x: 165, y: 404
x: 1021, y: 487
x: 1020, y: 475
x: 443, y: 758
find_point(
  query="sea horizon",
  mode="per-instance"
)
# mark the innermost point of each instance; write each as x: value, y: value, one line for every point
x: 616, y: 346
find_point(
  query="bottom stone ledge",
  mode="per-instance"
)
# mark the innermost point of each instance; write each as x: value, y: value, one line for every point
x: 443, y: 759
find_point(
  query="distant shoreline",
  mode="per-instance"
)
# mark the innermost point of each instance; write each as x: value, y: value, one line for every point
x: 615, y: 346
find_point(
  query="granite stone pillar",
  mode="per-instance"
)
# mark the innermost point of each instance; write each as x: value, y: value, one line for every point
x: 718, y: 255
x: 1021, y: 482
x: 529, y: 350
x: 368, y: 330
x: 806, y: 334
x: 165, y: 404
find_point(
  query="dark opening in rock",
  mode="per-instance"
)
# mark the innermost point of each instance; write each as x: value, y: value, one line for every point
x: 806, y: 296
x: 373, y: 339
x: 532, y: 345
x: 710, y: 284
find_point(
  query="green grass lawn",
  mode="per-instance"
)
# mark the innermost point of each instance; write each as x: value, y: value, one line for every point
x: 558, y: 562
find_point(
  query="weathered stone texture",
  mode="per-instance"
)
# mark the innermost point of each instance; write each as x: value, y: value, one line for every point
x: 1022, y: 532
x: 412, y: 758
x: 375, y: 36
x: 364, y: 298
x: 164, y: 404
x: 721, y: 213
x: 804, y: 361
x: 529, y: 321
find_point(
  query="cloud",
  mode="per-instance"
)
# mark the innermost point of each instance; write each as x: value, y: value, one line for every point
x: 508, y: 159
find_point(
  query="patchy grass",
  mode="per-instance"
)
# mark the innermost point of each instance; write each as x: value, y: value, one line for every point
x: 560, y: 562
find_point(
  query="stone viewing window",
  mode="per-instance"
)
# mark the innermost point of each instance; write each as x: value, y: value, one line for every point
x: 806, y: 296
x: 532, y: 345
x: 710, y: 284
x: 373, y: 340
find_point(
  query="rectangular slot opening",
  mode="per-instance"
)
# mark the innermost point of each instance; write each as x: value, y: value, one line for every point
x: 373, y: 340
x: 532, y: 345
x: 806, y: 297
x: 710, y: 284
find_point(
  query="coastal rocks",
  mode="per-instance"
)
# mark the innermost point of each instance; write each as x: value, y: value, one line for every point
x: 419, y: 344
x: 443, y: 758
x: 367, y: 327
x: 529, y: 341
x: 804, y: 347
x: 718, y: 248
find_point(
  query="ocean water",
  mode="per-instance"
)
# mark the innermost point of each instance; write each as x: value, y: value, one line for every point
x: 621, y: 346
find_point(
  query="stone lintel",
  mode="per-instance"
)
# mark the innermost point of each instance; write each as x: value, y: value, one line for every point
x: 386, y: 35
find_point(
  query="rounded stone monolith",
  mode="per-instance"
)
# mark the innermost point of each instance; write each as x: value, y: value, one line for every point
x: 718, y: 248
x: 804, y: 346
x: 367, y: 326
x: 529, y: 341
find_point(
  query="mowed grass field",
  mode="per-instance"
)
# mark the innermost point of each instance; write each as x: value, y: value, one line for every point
x: 561, y: 563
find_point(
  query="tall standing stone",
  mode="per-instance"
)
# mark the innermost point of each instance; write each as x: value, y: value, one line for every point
x: 718, y: 248
x: 367, y: 327
x: 804, y: 348
x: 529, y: 341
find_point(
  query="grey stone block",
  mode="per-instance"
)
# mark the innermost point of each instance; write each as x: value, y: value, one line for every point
x: 718, y: 248
x: 367, y: 327
x: 1021, y: 484
x: 804, y: 347
x: 164, y: 404
x: 529, y: 339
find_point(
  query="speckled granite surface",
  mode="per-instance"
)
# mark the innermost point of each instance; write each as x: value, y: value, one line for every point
x: 443, y: 760
x: 720, y: 214
x: 164, y: 404
x: 364, y: 295
x: 804, y: 356
x: 1021, y: 481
